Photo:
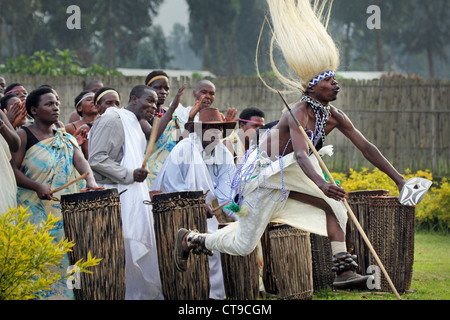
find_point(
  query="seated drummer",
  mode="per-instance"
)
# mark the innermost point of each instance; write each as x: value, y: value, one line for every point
x: 202, y: 162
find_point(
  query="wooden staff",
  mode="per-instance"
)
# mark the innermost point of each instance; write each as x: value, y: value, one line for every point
x: 83, y: 176
x: 151, y: 141
x: 349, y: 210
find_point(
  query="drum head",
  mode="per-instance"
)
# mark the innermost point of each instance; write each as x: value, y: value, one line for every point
x: 369, y: 193
x: 89, y: 195
x: 175, y: 195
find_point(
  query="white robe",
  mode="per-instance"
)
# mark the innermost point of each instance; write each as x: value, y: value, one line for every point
x: 182, y: 114
x: 8, y: 186
x: 188, y: 169
x: 266, y: 200
x: 143, y: 280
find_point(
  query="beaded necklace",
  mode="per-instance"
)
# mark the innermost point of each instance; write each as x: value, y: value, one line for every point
x: 321, y: 121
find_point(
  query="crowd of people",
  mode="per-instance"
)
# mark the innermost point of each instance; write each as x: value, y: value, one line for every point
x: 261, y: 176
x: 197, y: 148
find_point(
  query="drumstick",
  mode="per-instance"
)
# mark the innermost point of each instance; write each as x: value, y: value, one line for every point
x: 83, y: 176
x: 349, y: 210
x: 220, y: 207
x: 151, y: 141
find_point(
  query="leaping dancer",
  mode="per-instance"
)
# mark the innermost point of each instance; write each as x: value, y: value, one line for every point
x: 282, y: 181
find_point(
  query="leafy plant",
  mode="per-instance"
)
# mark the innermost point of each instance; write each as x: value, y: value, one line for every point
x: 27, y: 253
x: 61, y: 63
x: 197, y: 76
x: 96, y: 70
x: 67, y: 62
x: 366, y: 179
x: 434, y: 214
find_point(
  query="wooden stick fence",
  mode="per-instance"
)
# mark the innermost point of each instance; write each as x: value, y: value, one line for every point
x: 406, y: 118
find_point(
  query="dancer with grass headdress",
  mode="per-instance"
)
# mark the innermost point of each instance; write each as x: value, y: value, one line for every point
x: 281, y: 181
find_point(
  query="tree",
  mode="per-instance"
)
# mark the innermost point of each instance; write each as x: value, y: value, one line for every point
x: 428, y: 32
x: 121, y: 25
x: 212, y: 25
x: 182, y: 53
x: 346, y: 24
x: 77, y: 40
x: 152, y: 52
x: 23, y: 27
x: 249, y: 24
x: 409, y: 28
x: 371, y: 47
x: 226, y: 33
x: 110, y: 30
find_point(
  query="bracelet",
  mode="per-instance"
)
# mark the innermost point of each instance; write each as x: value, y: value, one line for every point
x: 2, y: 124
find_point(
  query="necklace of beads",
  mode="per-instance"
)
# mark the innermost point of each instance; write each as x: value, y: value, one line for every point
x: 321, y: 120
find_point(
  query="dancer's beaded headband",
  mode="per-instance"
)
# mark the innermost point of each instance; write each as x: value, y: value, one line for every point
x: 320, y: 77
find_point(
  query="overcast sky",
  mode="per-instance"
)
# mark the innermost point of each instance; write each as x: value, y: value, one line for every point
x: 171, y: 12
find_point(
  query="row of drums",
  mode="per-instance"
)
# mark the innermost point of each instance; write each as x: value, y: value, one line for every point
x: 295, y: 263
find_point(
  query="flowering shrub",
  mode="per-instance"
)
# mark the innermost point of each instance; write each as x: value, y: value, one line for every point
x: 432, y: 213
x: 27, y: 252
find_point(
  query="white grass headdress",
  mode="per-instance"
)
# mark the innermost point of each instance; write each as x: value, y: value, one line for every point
x: 300, y: 31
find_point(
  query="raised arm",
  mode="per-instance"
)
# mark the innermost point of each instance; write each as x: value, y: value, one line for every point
x: 168, y: 115
x: 368, y: 149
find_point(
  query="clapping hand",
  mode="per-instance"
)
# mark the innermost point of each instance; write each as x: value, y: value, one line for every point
x: 196, y: 108
x: 81, y: 135
x: 17, y: 113
x: 177, y: 99
x: 230, y: 116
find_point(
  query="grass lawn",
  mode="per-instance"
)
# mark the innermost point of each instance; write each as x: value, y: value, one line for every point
x: 431, y: 274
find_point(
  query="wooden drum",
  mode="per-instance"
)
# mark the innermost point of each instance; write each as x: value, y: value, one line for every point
x: 240, y: 275
x: 287, y: 262
x: 172, y: 211
x: 92, y: 220
x: 390, y: 228
x: 322, y: 262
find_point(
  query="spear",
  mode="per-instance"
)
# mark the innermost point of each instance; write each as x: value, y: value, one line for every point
x: 349, y: 210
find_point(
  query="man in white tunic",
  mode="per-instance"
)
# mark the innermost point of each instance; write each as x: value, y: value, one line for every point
x: 202, y: 162
x: 116, y: 152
